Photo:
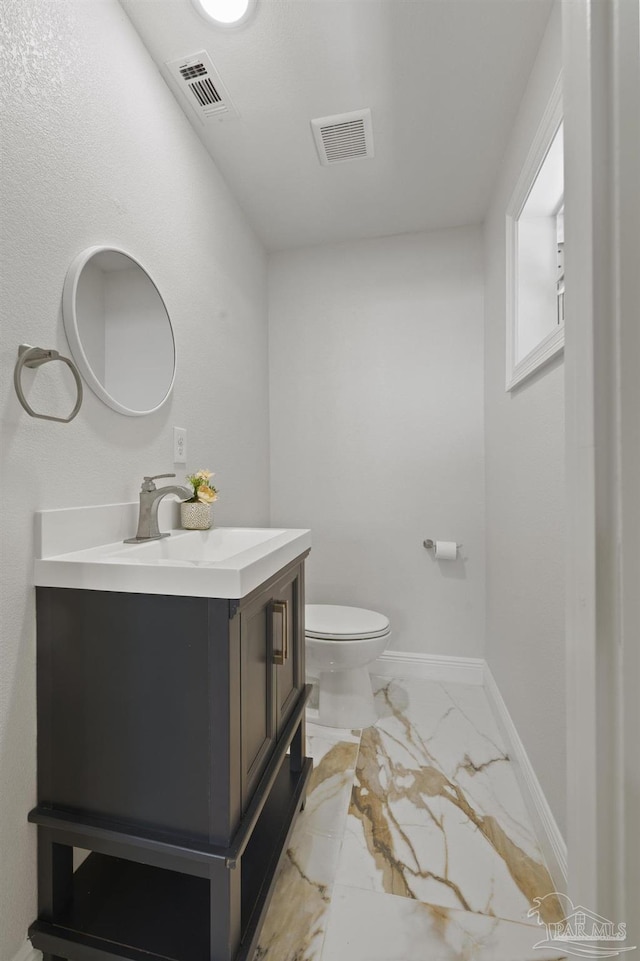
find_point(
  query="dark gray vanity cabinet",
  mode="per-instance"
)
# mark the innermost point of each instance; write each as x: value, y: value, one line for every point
x: 171, y: 746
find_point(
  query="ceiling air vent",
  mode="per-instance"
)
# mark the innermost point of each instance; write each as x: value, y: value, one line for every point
x: 347, y: 136
x: 201, y: 85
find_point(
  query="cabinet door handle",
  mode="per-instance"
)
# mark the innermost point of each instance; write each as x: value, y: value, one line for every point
x: 280, y: 608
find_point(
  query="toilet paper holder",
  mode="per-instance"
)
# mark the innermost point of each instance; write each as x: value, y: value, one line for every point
x: 430, y: 544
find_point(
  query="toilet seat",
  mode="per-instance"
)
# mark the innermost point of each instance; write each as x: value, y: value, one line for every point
x: 332, y: 622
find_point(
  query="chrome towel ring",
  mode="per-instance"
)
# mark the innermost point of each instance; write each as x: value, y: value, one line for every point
x: 35, y: 357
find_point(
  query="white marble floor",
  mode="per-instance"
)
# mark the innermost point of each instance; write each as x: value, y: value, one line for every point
x: 415, y: 844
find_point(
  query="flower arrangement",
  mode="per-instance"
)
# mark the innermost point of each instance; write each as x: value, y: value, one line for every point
x: 203, y: 490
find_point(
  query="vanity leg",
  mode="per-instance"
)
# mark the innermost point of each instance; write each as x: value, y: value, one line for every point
x: 55, y: 876
x: 224, y: 896
x: 55, y: 879
x: 299, y: 746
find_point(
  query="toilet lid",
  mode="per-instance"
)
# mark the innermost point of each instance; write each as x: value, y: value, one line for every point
x: 337, y: 623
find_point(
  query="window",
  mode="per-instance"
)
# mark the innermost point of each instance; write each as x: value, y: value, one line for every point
x: 535, y: 253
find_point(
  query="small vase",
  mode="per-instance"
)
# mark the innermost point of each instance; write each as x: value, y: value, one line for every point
x: 196, y: 516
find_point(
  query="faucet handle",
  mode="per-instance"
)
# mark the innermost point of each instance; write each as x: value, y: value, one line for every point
x: 148, y: 485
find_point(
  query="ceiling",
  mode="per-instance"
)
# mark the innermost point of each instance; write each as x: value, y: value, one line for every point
x: 443, y: 79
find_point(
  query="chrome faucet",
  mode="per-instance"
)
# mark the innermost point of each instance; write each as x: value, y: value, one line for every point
x: 150, y: 497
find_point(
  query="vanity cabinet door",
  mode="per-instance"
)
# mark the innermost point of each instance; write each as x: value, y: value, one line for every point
x: 271, y: 670
x: 257, y: 702
x: 287, y: 626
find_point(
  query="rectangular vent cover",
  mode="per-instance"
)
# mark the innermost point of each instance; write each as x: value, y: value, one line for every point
x: 202, y: 87
x: 347, y: 136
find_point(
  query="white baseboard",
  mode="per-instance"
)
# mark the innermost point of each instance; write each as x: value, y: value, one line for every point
x: 547, y: 831
x: 431, y: 667
x: 27, y: 953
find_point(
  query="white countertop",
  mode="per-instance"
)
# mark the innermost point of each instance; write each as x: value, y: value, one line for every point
x: 226, y: 562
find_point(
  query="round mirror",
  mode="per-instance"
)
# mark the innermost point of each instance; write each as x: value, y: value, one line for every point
x: 119, y: 330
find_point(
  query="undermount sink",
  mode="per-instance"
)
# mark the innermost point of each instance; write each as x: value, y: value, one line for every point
x: 227, y: 562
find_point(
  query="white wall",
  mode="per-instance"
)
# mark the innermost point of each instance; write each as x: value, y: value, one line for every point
x: 525, y: 490
x: 376, y: 379
x: 96, y: 151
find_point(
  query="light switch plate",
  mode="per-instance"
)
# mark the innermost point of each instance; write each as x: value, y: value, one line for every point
x: 179, y: 445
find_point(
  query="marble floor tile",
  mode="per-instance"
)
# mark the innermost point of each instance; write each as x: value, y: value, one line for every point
x: 320, y: 739
x: 364, y: 926
x: 334, y: 754
x: 415, y: 844
x: 454, y: 721
x: 295, y: 924
x: 436, y: 814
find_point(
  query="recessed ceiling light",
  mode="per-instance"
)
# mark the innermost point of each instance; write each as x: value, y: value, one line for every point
x: 225, y: 13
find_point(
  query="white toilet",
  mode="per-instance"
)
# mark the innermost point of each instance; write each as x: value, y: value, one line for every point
x: 340, y: 644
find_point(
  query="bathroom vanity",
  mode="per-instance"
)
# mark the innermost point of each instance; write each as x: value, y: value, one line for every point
x: 171, y: 747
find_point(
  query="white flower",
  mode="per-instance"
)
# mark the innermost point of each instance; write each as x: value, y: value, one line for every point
x: 205, y: 495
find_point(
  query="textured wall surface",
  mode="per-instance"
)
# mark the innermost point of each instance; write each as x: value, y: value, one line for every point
x: 96, y: 150
x: 377, y: 427
x: 525, y: 491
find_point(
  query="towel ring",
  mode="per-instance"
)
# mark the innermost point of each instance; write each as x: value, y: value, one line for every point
x: 35, y: 357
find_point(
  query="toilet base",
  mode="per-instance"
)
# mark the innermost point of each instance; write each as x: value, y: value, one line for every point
x: 346, y: 699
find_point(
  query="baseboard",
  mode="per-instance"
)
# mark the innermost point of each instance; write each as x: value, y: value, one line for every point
x: 430, y: 667
x: 547, y: 831
x: 27, y: 953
